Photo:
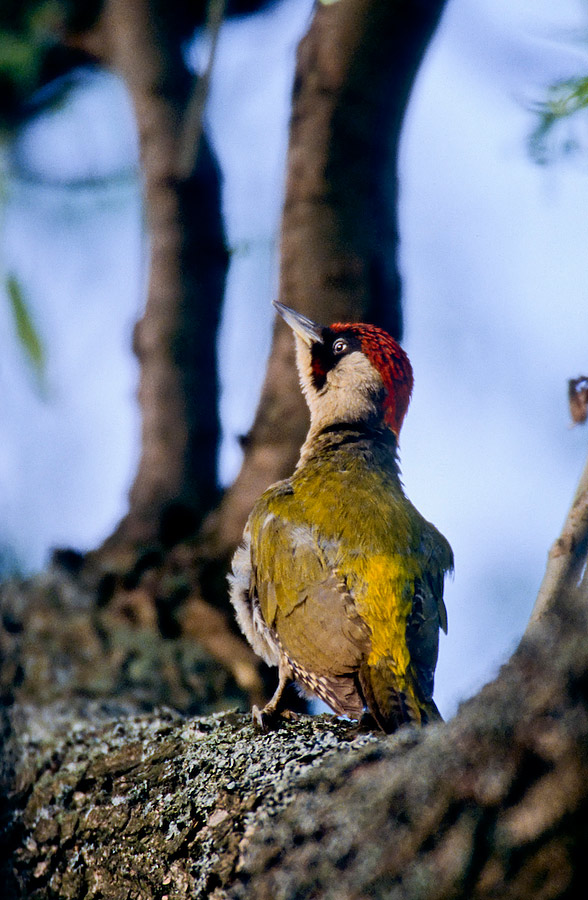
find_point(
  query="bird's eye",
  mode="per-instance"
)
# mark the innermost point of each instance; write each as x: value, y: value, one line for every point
x: 339, y: 346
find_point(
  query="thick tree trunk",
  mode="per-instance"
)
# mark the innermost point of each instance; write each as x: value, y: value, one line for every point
x: 104, y: 802
x: 175, y: 340
x: 492, y: 805
x: 355, y: 70
x: 100, y: 801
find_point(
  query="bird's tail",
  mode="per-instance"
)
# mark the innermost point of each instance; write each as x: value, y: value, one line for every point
x: 395, y: 700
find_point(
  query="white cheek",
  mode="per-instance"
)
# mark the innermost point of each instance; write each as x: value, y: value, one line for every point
x: 354, y: 375
x: 355, y: 371
x: 351, y: 390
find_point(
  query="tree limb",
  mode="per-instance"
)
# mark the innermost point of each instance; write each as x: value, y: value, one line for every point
x: 193, y: 120
x: 567, y: 558
x: 103, y: 802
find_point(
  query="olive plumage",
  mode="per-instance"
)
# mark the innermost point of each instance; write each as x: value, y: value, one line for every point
x: 339, y: 579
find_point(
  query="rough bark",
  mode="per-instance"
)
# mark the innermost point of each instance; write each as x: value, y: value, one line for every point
x: 101, y: 801
x: 148, y: 806
x: 355, y: 70
x: 105, y: 803
x: 493, y: 804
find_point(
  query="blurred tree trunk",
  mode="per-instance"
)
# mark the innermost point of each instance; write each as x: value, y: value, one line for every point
x: 175, y: 340
x: 355, y: 70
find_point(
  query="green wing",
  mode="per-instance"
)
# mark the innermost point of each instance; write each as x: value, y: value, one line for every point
x: 312, y: 600
x: 306, y: 604
x: 428, y: 612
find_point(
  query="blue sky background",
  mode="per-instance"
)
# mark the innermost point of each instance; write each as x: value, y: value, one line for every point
x: 495, y: 272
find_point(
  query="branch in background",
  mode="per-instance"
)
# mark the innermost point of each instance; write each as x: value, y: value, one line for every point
x: 192, y: 126
x: 578, y: 399
x: 567, y: 557
x: 175, y: 340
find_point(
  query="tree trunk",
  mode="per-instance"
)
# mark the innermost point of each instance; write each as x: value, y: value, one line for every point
x: 355, y: 70
x: 104, y: 802
x: 175, y: 340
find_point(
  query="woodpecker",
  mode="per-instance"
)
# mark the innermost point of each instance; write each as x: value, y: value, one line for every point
x: 339, y: 579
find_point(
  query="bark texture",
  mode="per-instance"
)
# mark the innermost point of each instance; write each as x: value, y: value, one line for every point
x: 126, y: 805
x: 492, y: 805
x: 104, y: 802
x: 101, y: 801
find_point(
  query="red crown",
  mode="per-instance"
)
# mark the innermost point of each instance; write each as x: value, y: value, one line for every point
x: 389, y: 359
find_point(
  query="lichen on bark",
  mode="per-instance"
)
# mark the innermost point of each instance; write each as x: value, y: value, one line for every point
x: 113, y: 805
x: 105, y: 800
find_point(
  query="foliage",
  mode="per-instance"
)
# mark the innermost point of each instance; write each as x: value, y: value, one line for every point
x: 565, y: 100
x: 27, y: 31
x: 26, y: 331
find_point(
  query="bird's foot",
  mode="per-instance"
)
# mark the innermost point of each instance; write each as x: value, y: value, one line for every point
x: 267, y: 718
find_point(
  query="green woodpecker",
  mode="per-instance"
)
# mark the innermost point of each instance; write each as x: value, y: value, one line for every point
x: 339, y: 580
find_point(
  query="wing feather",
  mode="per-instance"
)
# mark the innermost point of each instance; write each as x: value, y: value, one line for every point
x: 428, y: 612
x: 306, y: 602
x: 321, y: 611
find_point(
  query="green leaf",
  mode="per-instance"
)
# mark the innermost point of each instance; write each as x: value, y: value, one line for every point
x: 565, y: 99
x: 25, y: 327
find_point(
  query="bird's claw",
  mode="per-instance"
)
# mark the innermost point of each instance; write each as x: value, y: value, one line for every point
x: 266, y: 719
x: 260, y: 718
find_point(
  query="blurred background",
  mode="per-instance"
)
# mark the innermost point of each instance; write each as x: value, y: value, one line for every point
x: 495, y: 273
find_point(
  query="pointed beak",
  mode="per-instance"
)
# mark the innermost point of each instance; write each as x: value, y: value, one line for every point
x: 309, y: 331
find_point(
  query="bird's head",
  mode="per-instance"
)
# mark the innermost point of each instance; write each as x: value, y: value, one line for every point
x: 350, y: 373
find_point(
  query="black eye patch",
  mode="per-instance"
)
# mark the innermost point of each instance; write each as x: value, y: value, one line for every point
x: 325, y: 356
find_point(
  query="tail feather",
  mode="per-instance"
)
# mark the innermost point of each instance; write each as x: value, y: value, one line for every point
x: 430, y: 712
x: 394, y: 701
